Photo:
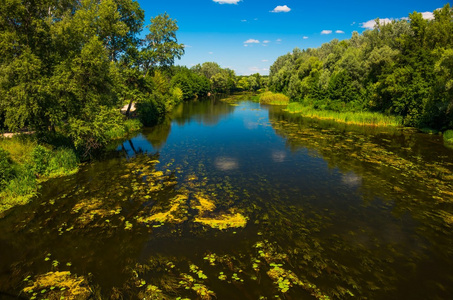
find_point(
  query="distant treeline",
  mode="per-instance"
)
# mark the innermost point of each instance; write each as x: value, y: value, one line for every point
x: 402, y: 68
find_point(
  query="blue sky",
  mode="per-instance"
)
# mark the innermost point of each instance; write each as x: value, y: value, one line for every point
x: 248, y: 35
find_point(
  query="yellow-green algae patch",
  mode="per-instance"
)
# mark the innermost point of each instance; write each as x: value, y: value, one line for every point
x: 170, y: 215
x: 92, y: 208
x: 224, y: 221
x: 60, y: 285
x: 205, y: 204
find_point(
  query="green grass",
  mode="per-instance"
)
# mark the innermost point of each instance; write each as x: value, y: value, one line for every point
x: 356, y: 118
x: 25, y: 163
x: 448, y: 136
x: 273, y: 98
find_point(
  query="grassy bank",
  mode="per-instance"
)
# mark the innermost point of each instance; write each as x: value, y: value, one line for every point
x: 273, y: 98
x: 356, y: 118
x: 26, y: 161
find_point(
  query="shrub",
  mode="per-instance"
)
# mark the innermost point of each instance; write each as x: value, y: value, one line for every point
x: 6, y: 168
x: 448, y: 136
x: 63, y: 161
x: 40, y: 158
x: 152, y: 109
x: 274, y: 98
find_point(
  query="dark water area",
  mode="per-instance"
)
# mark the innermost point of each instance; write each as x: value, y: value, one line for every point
x: 234, y: 200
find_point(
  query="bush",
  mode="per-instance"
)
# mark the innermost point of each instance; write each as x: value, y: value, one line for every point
x: 63, y: 161
x: 448, y: 136
x: 152, y: 109
x: 40, y: 158
x: 6, y: 168
x: 274, y: 98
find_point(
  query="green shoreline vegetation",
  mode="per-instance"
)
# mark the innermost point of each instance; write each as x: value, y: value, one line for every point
x: 399, y: 73
x: 364, y: 118
x: 68, y: 83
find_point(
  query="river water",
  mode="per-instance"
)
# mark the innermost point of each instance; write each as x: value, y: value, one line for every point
x: 233, y: 200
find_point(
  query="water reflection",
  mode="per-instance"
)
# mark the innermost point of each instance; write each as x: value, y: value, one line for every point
x: 351, y: 179
x: 278, y: 156
x: 226, y: 163
x: 208, y: 112
x: 330, y: 210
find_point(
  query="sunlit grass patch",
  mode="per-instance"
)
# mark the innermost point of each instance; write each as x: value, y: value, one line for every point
x: 273, y: 98
x: 355, y: 118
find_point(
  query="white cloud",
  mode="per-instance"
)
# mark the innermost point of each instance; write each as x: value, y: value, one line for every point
x: 428, y: 15
x: 266, y: 42
x: 353, y: 23
x: 370, y: 24
x: 305, y: 37
x: 243, y: 20
x: 210, y: 53
x: 326, y: 32
x: 264, y: 60
x: 227, y: 1
x: 339, y: 31
x: 281, y: 8
x: 251, y: 41
x: 278, y: 41
x: 257, y: 70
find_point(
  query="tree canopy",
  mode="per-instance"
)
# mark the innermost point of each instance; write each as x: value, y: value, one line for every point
x: 401, y: 68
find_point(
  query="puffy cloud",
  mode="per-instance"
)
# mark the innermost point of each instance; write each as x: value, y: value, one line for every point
x: 251, y: 41
x: 281, y: 8
x: 266, y: 42
x: 227, y: 1
x: 370, y: 24
x: 253, y: 70
x: 305, y: 37
x: 339, y: 31
x: 326, y: 32
x: 428, y: 15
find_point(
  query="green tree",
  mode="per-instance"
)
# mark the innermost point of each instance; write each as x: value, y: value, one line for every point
x: 160, y: 46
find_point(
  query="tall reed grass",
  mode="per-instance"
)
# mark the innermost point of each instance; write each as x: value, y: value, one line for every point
x: 356, y: 118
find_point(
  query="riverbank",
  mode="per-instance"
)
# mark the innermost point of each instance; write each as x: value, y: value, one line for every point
x: 354, y: 118
x: 27, y: 160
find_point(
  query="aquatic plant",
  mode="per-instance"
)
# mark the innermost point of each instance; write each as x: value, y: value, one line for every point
x: 58, y: 285
x: 357, y: 118
x: 172, y: 215
x: 224, y: 221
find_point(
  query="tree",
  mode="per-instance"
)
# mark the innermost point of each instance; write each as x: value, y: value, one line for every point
x: 160, y: 46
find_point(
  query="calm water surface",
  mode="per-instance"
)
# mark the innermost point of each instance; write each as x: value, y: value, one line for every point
x: 310, y: 210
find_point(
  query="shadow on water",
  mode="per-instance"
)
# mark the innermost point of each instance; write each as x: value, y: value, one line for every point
x: 240, y: 201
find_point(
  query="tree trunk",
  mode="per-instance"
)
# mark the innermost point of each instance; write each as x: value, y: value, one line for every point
x: 129, y: 108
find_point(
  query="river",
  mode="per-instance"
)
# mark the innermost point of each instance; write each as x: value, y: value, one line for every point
x: 233, y: 200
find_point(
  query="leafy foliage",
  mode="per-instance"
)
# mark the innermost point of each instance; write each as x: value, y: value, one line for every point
x: 402, y: 68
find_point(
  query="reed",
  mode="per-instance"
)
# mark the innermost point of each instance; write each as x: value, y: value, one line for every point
x: 363, y: 118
